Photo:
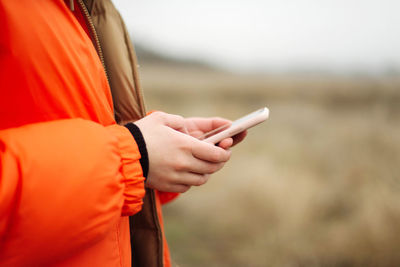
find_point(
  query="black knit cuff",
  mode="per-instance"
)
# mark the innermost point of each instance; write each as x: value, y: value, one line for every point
x: 137, y: 134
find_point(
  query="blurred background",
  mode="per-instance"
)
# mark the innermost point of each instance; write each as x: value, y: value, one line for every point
x: 318, y: 184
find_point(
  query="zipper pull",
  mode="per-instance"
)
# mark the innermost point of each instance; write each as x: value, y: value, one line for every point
x: 71, y: 5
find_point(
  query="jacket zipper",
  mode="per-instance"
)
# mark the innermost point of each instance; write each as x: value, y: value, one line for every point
x: 99, y: 50
x: 97, y: 45
x: 93, y: 34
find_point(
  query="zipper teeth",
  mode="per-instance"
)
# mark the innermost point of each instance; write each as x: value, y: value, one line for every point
x: 100, y: 53
x: 152, y: 194
x: 95, y: 37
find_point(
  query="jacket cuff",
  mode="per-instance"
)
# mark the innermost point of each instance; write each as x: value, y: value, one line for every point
x: 137, y: 134
x: 131, y: 170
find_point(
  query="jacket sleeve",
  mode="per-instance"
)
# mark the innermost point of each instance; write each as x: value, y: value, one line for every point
x: 63, y: 185
x: 166, y: 197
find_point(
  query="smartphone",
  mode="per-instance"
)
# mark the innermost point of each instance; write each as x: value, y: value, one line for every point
x: 217, y: 135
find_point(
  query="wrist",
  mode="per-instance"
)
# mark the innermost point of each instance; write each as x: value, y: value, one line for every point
x: 137, y: 135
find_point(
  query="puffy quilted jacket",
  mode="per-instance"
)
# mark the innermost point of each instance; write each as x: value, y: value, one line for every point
x: 70, y: 176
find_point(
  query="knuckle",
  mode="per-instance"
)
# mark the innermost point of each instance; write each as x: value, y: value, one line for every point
x: 211, y: 169
x: 216, y: 167
x: 180, y: 118
x: 160, y: 115
x: 180, y: 165
x: 202, y: 180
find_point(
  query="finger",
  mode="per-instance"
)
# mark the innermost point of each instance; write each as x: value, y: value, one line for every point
x: 194, y: 179
x: 239, y: 138
x: 201, y: 167
x: 226, y: 143
x: 209, y: 152
x: 218, y: 122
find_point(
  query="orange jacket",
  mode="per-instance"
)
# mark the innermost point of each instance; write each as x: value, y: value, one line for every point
x: 69, y: 175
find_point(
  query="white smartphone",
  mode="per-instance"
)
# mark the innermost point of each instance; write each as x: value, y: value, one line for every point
x: 217, y: 135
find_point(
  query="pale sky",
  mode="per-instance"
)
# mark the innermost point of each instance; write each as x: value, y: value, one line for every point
x: 266, y: 34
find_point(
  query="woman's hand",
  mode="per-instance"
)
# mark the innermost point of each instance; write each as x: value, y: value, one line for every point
x: 178, y: 160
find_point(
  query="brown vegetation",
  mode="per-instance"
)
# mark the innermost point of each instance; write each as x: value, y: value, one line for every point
x: 317, y: 185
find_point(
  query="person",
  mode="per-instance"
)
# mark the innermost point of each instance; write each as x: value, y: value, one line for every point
x: 83, y: 170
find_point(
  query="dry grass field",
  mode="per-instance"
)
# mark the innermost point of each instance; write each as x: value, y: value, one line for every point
x: 318, y: 184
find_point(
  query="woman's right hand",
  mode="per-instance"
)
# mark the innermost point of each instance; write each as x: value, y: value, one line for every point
x: 177, y: 160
